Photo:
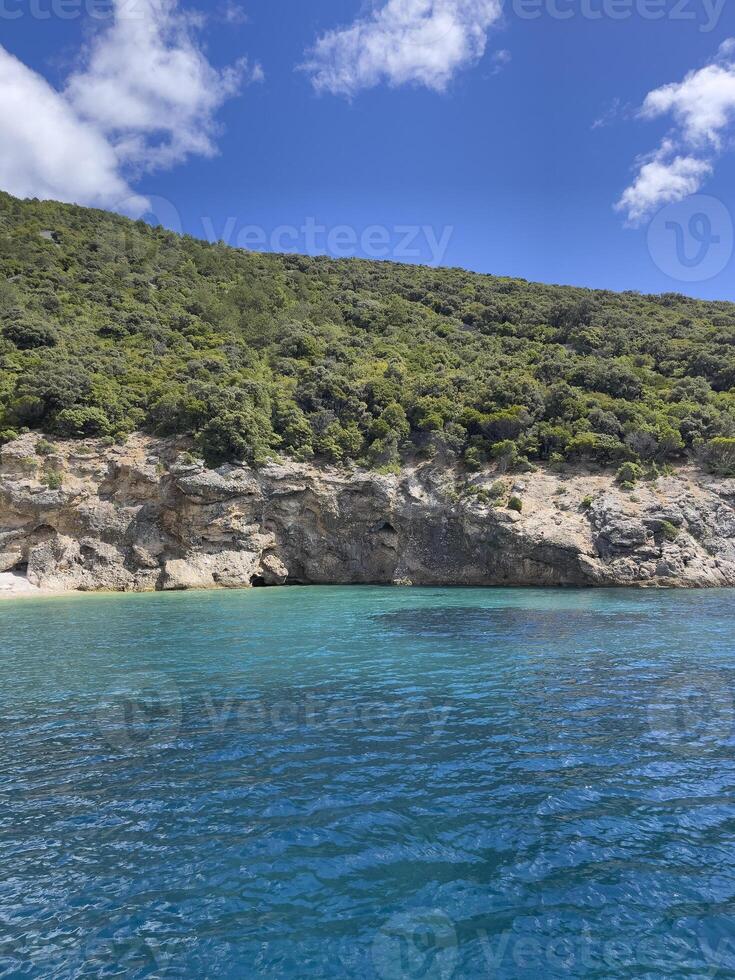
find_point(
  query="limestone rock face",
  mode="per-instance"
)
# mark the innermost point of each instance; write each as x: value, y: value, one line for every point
x: 143, y: 516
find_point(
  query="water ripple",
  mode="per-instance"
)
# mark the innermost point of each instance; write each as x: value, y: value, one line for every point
x: 368, y: 783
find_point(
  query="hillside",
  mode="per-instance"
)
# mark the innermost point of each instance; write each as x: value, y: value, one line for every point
x: 109, y: 326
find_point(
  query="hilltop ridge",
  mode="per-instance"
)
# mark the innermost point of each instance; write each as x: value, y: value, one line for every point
x: 109, y: 326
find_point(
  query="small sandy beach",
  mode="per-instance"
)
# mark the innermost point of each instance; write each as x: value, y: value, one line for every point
x: 14, y: 586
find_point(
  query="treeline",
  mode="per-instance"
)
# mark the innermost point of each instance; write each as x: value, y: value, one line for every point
x: 109, y: 326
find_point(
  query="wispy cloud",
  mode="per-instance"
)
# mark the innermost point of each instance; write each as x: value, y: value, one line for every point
x: 613, y: 112
x: 420, y: 42
x: 702, y: 107
x: 232, y: 13
x: 144, y: 97
x: 500, y: 60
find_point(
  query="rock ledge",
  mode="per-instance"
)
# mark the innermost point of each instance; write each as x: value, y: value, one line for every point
x: 143, y: 517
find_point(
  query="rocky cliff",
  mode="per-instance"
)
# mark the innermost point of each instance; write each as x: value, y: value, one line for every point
x: 145, y: 516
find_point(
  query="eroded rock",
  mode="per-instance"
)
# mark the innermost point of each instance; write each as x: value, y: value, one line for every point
x: 141, y: 517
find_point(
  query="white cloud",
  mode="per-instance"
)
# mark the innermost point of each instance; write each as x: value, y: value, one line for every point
x: 703, y: 104
x: 662, y: 180
x: 150, y: 89
x: 423, y: 42
x: 232, y: 13
x: 145, y: 97
x: 48, y: 152
x: 703, y: 109
x: 610, y: 115
x: 500, y: 60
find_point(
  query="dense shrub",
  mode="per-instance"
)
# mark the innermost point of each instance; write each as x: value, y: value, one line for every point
x: 669, y: 531
x: 53, y: 479
x: 245, y: 435
x: 81, y: 421
x: 116, y: 326
x: 719, y: 456
x: 28, y: 334
x: 629, y: 473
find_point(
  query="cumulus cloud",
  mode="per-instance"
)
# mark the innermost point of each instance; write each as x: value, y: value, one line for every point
x: 421, y: 42
x: 144, y: 97
x: 149, y: 88
x: 662, y: 180
x: 702, y: 108
x: 48, y: 151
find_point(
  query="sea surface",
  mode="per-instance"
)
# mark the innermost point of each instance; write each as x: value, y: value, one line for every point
x: 368, y: 782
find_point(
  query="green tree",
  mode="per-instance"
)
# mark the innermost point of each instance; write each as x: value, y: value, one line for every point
x: 719, y: 456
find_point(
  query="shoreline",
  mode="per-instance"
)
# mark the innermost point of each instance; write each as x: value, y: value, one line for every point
x: 14, y: 586
x: 34, y: 592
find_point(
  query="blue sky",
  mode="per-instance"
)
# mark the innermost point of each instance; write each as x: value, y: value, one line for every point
x: 419, y: 130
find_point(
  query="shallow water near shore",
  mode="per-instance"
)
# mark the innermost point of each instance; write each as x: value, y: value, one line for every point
x: 368, y: 782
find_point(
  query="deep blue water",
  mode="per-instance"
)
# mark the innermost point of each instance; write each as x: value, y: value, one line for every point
x: 378, y: 783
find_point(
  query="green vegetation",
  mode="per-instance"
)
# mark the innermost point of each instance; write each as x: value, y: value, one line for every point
x: 516, y: 504
x: 629, y: 474
x: 115, y: 326
x: 53, y: 479
x: 720, y: 456
x: 669, y: 531
x: 482, y: 494
x: 44, y: 448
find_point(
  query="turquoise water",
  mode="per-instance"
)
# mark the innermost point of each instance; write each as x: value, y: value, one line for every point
x: 378, y: 783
